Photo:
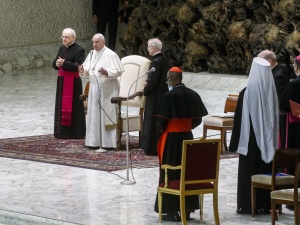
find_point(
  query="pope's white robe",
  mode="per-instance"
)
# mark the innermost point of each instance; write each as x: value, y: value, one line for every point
x: 101, y: 128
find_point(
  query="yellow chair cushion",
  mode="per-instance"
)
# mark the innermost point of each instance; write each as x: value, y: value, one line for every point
x: 267, y: 179
x: 285, y: 194
x: 217, y: 121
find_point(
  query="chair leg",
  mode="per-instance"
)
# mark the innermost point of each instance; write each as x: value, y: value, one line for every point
x: 159, y: 206
x: 225, y: 140
x: 201, y: 206
x: 273, y: 213
x: 182, y: 209
x: 204, y: 132
x: 296, y: 213
x: 222, y: 141
x: 119, y: 144
x: 216, y: 209
x: 140, y: 138
x: 253, y: 199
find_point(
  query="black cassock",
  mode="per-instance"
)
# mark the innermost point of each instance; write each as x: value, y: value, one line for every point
x: 281, y: 79
x: 74, y: 56
x: 292, y: 92
x: 179, y: 103
x: 249, y: 165
x: 154, y: 90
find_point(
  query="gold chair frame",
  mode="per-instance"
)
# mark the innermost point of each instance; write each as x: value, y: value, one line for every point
x: 207, y: 185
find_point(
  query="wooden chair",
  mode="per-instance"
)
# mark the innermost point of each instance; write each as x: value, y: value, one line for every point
x: 134, y: 76
x: 84, y: 96
x: 288, y: 196
x: 223, y: 124
x: 199, y: 175
x: 276, y: 180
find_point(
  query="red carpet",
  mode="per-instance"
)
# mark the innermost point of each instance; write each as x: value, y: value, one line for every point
x: 70, y: 152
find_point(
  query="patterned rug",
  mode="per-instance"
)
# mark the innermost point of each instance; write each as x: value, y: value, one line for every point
x: 71, y: 152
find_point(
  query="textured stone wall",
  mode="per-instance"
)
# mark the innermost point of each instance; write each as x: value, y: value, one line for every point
x: 221, y: 36
x: 32, y: 22
x: 30, y: 30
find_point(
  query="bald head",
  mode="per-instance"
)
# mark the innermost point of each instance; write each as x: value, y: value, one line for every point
x: 269, y: 56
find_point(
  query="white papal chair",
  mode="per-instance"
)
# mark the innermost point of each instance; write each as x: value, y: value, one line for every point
x: 135, y: 68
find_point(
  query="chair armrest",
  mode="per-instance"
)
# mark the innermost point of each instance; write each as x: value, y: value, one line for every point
x: 83, y: 97
x: 118, y: 100
x: 166, y: 167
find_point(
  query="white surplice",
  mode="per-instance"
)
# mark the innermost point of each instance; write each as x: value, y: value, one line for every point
x: 101, y: 128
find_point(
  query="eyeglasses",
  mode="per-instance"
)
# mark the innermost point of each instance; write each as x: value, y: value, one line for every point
x: 150, y: 47
x: 65, y: 37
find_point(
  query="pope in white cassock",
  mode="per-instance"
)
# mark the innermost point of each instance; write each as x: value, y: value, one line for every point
x: 103, y: 66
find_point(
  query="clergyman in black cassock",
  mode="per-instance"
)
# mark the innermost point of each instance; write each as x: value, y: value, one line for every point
x: 154, y: 89
x: 69, y: 118
x: 181, y: 109
x: 292, y: 92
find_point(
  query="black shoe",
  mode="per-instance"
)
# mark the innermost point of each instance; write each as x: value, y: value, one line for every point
x: 93, y: 147
x: 188, y: 216
x: 174, y: 217
x: 241, y: 211
x: 109, y: 149
x: 151, y: 153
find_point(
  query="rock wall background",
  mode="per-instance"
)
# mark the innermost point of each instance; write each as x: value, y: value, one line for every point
x: 30, y: 30
x: 221, y: 36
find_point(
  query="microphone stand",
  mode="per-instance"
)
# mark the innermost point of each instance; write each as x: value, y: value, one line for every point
x: 127, y: 181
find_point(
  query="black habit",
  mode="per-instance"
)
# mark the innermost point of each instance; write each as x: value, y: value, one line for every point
x: 179, y: 103
x: 292, y: 92
x: 155, y: 88
x: 74, y: 56
x: 281, y: 79
x: 249, y: 165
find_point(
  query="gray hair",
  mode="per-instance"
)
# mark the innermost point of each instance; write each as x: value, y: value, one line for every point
x: 155, y: 42
x: 71, y: 31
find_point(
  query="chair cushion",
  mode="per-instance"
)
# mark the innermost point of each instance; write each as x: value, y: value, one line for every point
x: 134, y: 122
x: 286, y: 194
x: 267, y: 179
x: 218, y: 121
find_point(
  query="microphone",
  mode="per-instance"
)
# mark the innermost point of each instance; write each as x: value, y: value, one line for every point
x: 151, y: 70
x: 127, y: 181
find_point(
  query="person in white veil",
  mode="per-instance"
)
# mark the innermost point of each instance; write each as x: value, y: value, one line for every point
x: 255, y: 134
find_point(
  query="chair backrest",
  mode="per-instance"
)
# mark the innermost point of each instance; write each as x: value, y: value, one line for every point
x: 135, y: 67
x: 200, y: 161
x: 284, y: 159
x: 230, y: 103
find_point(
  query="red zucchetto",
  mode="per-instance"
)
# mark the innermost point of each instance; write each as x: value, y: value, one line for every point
x: 175, y: 69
